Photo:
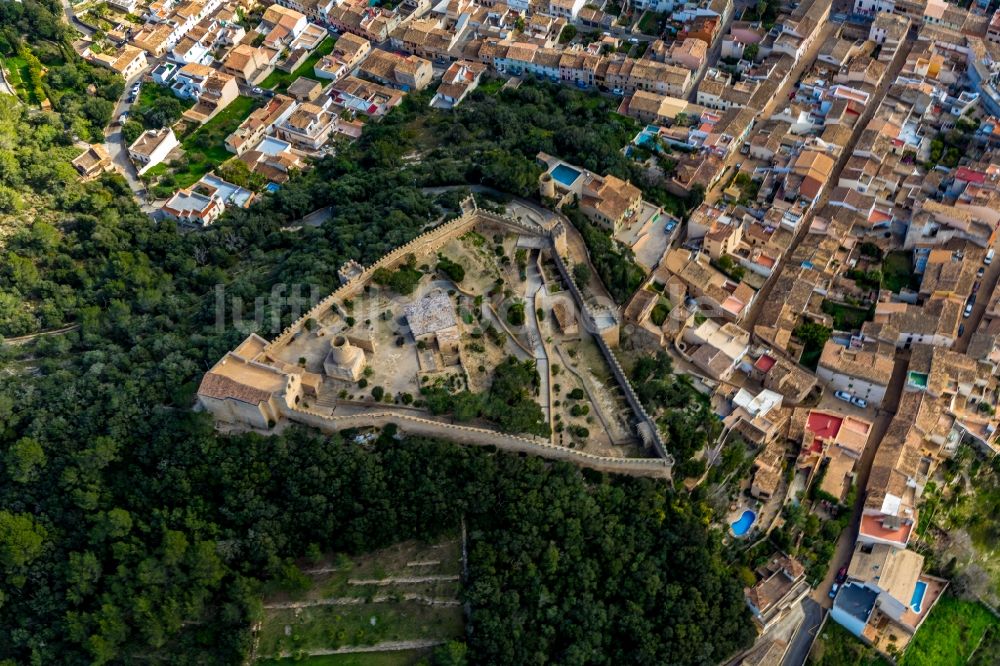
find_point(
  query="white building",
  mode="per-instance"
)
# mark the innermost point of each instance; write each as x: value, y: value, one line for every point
x: 864, y: 373
x: 151, y: 148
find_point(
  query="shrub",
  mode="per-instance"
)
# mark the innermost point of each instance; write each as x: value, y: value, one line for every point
x: 454, y: 270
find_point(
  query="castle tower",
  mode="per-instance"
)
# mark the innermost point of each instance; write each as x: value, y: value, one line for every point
x: 547, y: 186
x: 344, y: 360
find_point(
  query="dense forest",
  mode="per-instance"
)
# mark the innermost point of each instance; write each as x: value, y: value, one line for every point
x: 130, y: 530
x: 33, y: 36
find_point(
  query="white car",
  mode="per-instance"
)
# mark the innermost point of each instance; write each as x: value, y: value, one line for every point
x: 833, y: 590
x: 842, y: 395
x: 859, y: 402
x: 122, y: 118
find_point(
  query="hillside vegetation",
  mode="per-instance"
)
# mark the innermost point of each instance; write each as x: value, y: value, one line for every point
x: 130, y: 530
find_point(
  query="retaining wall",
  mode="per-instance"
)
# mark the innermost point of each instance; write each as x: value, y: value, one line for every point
x: 653, y: 467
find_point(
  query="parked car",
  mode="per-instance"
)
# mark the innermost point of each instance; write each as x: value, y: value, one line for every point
x: 980, y: 272
x: 258, y: 91
x: 842, y: 395
x: 968, y: 310
x: 841, y: 576
x: 833, y: 590
x: 122, y: 118
x: 961, y: 330
x: 859, y: 402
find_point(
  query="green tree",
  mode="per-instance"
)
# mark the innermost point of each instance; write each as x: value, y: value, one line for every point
x: 22, y: 540
x: 24, y: 460
x: 813, y: 335
x: 568, y: 34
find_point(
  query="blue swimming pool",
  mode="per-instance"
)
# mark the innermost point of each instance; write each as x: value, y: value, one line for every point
x: 644, y: 138
x: 745, y: 522
x: 917, y: 599
x: 566, y: 175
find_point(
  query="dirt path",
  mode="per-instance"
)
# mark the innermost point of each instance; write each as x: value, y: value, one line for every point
x: 386, y: 646
x: 353, y: 601
x: 24, y: 339
x: 435, y: 578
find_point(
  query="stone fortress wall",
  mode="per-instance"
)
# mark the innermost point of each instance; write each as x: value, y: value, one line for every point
x: 429, y: 242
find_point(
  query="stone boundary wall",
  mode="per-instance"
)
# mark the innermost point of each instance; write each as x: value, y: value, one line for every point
x: 653, y: 467
x: 653, y: 432
x: 460, y: 225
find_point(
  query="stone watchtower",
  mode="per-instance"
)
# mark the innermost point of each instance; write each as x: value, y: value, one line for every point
x: 344, y: 360
x: 547, y: 186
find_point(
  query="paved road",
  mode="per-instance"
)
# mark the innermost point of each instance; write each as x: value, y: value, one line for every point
x: 25, y: 339
x: 986, y: 285
x: 880, y: 424
x: 114, y: 142
x: 71, y: 18
x: 5, y: 88
x: 118, y: 148
x: 845, y: 544
x: 798, y: 651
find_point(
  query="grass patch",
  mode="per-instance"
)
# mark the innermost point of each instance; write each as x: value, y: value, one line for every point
x: 205, y: 148
x: 394, y: 658
x: 649, y: 23
x: 16, y: 69
x: 810, y: 358
x: 350, y: 624
x: 357, y: 624
x: 845, y: 317
x: 158, y: 107
x: 950, y: 635
x: 835, y: 646
x: 897, y: 272
x: 150, y: 93
x: 278, y: 80
x: 491, y: 87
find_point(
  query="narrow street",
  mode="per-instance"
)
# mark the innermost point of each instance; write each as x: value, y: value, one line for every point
x: 890, y: 76
x: 819, y: 602
x: 987, y: 284
x: 114, y: 141
x: 798, y: 650
x: 117, y: 146
x: 715, y: 52
x: 780, y: 98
